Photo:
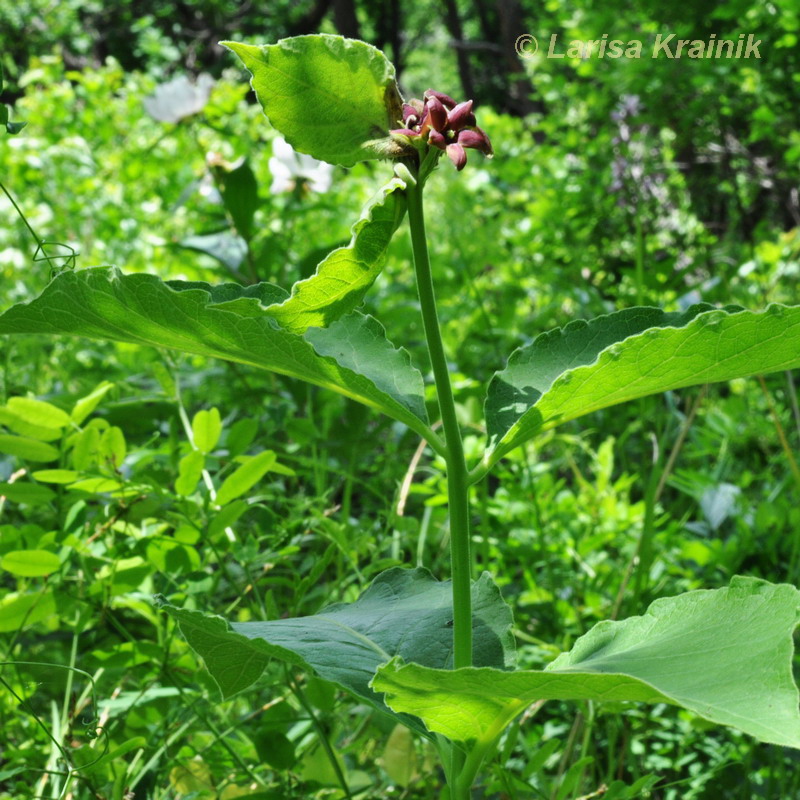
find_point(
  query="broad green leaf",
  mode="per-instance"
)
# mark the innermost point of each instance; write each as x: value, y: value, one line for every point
x: 333, y: 98
x: 190, y: 470
x: 276, y: 749
x: 240, y: 435
x: 724, y: 654
x: 206, y: 429
x: 96, y: 485
x: 191, y: 778
x: 29, y: 493
x: 56, y: 475
x: 122, y: 576
x: 27, y: 449
x: 16, y: 424
x: 403, y: 613
x: 85, y: 449
x: 226, y: 517
x: 569, y: 372
x: 172, y: 557
x: 30, y: 563
x: 226, y: 321
x: 399, y: 758
x: 358, y: 342
x: 344, y: 276
x: 37, y: 412
x: 245, y: 477
x: 112, y: 448
x: 92, y: 765
x: 86, y: 405
x: 240, y: 196
x: 23, y: 609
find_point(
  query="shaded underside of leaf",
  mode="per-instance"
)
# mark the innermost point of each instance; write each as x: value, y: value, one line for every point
x: 725, y: 654
x: 584, y: 367
x: 332, y: 98
x: 405, y: 613
x: 358, y: 342
x: 226, y: 321
x: 344, y: 276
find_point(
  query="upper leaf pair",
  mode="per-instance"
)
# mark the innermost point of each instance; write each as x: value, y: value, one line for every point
x: 585, y: 366
x: 561, y: 375
x: 352, y: 356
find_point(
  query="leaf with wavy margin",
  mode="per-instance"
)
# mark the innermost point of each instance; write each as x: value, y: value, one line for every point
x: 226, y: 321
x: 568, y: 372
x: 343, y: 277
x: 724, y: 654
x: 404, y: 612
x: 333, y: 98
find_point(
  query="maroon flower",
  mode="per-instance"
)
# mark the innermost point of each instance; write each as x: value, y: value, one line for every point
x: 446, y: 125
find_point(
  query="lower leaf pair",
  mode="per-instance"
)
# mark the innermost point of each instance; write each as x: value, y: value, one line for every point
x: 724, y: 654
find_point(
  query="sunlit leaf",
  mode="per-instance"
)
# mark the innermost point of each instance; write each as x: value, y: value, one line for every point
x: 30, y: 563
x: 206, y: 429
x: 86, y: 405
x: 226, y: 321
x: 38, y: 412
x: 344, y: 275
x: 245, y: 477
x: 23, y: 609
x: 190, y: 469
x: 333, y: 98
x: 56, y: 475
x: 569, y: 372
x: 29, y: 493
x: 27, y: 449
x: 725, y: 654
x: 17, y: 424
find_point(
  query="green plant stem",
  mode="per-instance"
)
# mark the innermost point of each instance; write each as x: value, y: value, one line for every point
x: 457, y: 478
x: 32, y: 232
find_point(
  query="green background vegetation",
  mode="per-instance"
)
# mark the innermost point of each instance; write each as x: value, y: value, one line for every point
x: 615, y: 182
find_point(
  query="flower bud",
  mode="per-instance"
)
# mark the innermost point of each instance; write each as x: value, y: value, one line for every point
x: 437, y: 139
x: 461, y: 116
x: 436, y: 114
x: 475, y: 138
x: 455, y: 152
x: 411, y: 114
x: 444, y: 99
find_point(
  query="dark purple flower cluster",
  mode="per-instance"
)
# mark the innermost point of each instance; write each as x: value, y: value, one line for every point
x: 445, y: 124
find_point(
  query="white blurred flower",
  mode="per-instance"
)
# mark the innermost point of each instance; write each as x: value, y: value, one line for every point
x: 288, y: 167
x: 179, y: 98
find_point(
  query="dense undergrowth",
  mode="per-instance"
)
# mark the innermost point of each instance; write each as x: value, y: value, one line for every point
x: 661, y: 496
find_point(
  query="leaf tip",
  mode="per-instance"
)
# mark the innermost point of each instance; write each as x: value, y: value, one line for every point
x: 246, y: 52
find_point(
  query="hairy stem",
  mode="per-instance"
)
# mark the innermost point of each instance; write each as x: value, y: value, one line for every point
x: 457, y: 479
